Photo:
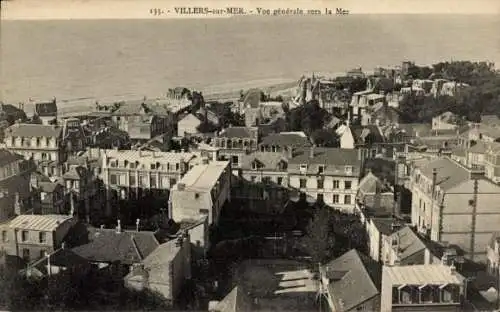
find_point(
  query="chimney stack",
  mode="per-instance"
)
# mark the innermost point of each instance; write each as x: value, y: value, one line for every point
x: 63, y: 245
x: 137, y: 222
x: 118, y: 227
x: 434, y: 179
x: 311, y: 151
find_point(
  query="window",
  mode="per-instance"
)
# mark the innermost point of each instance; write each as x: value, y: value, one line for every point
x: 347, y: 199
x: 234, y: 160
x: 303, y: 183
x: 24, y: 236
x: 255, y: 165
x: 132, y: 180
x: 321, y: 169
x: 320, y: 183
x: 133, y: 165
x: 42, y: 237
x: 347, y: 185
x: 152, y: 166
x: 204, y: 211
x: 113, y: 179
x: 280, y: 181
x: 266, y: 180
x: 336, y: 184
x: 152, y: 182
x: 26, y: 254
x: 4, y: 237
x: 335, y: 199
x: 113, y: 164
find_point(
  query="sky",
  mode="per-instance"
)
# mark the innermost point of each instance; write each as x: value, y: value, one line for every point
x: 140, y: 9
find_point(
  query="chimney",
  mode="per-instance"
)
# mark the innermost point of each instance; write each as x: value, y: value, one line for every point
x: 348, y: 121
x: 49, y: 266
x: 181, y: 186
x: 311, y: 151
x: 290, y: 151
x: 102, y: 226
x: 453, y: 269
x: 63, y: 245
x: 434, y: 180
x: 118, y: 227
x: 137, y: 222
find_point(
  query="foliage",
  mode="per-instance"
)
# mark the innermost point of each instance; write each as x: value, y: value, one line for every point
x: 319, y: 239
x: 74, y: 291
x: 382, y: 168
x: 325, y: 138
x: 308, y: 117
x: 482, y: 97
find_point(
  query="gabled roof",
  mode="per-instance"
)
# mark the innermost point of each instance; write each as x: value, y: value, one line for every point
x: 74, y: 173
x: 108, y: 245
x: 236, y: 301
x: 7, y: 157
x: 361, y: 281
x: 409, y: 242
x: 48, y: 187
x: 239, y: 132
x: 33, y: 130
x: 62, y: 258
x: 362, y: 133
x: 371, y: 184
x: 449, y: 173
x: 268, y: 160
x: 384, y: 225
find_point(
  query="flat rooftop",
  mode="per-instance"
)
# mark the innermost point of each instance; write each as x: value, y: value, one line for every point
x: 203, y: 177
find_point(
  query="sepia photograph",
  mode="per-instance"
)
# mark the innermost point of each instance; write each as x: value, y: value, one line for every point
x: 250, y: 155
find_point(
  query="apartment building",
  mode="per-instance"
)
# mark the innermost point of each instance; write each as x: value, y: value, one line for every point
x: 31, y: 236
x: 43, y: 143
x: 378, y: 230
x: 135, y: 173
x: 453, y: 204
x: 421, y: 288
x: 15, y: 192
x: 330, y: 175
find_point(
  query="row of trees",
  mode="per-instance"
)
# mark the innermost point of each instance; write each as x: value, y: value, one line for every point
x: 74, y: 291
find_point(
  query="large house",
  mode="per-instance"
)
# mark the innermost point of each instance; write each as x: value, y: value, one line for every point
x: 453, y: 204
x: 330, y: 175
x: 234, y: 142
x: 43, y: 143
x: 131, y: 174
x: 15, y: 176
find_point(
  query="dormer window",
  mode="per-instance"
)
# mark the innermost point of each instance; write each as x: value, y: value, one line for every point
x: 125, y: 163
x: 348, y: 170
x: 303, y: 167
x: 255, y: 165
x: 153, y: 166
x: 282, y: 165
x: 321, y: 169
x: 133, y: 165
x: 113, y: 163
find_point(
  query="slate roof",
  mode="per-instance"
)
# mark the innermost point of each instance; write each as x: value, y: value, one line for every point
x: 128, y: 247
x: 63, y: 258
x: 7, y: 157
x: 361, y: 133
x: 384, y: 225
x: 294, y: 139
x: 33, y: 130
x: 236, y: 301
x: 361, y: 281
x: 326, y: 155
x: 436, y: 274
x: 370, y: 184
x: 238, y: 132
x: 409, y: 242
x: 480, y: 147
x: 449, y: 173
x: 459, y: 151
x: 265, y: 160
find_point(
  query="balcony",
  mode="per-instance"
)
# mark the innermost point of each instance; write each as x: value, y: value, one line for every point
x: 425, y: 295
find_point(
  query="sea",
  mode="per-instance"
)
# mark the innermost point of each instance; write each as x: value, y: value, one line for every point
x: 72, y: 59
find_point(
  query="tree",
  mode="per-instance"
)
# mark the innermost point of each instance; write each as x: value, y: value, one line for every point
x: 308, y: 117
x: 325, y: 138
x: 319, y: 239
